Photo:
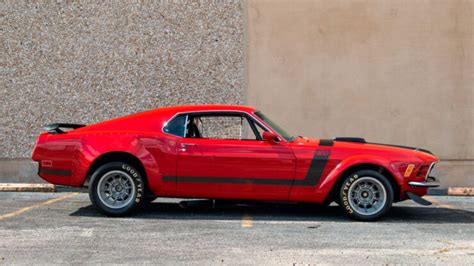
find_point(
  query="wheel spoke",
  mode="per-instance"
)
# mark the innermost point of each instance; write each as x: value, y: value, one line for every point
x: 367, y: 196
x: 115, y: 189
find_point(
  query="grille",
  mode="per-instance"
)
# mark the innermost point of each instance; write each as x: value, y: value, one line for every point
x: 425, y: 170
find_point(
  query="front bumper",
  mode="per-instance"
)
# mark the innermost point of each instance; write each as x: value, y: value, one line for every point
x: 429, y: 182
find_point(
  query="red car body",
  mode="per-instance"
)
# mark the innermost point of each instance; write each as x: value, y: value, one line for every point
x: 300, y: 170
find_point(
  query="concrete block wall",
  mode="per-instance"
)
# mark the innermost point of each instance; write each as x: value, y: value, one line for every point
x: 84, y: 62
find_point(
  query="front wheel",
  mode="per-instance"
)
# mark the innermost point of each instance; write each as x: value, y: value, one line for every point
x: 116, y: 188
x: 366, y: 195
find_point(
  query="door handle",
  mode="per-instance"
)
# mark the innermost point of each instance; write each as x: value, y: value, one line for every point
x: 184, y: 145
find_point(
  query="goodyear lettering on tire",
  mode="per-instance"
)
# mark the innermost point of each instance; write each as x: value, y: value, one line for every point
x: 345, y: 197
x: 138, y: 181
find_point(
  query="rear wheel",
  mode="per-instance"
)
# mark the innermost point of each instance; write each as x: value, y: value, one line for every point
x: 116, y: 188
x: 366, y: 195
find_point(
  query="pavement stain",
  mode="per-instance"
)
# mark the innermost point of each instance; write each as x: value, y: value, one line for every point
x: 247, y: 221
x: 314, y: 226
x: 443, y: 250
x: 451, y: 247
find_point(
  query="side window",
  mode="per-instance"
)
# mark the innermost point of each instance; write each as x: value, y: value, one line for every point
x: 259, y: 129
x: 247, y: 131
x: 176, y: 126
x: 220, y: 127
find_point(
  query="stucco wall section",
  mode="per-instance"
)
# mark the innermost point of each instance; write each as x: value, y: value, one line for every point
x: 390, y: 71
x: 89, y: 61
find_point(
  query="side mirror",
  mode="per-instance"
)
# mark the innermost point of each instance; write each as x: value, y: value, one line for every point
x: 269, y: 136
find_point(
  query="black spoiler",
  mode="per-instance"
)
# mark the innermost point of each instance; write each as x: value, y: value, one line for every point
x: 57, y: 127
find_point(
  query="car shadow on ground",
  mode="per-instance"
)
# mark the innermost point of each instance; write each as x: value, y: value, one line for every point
x: 263, y: 211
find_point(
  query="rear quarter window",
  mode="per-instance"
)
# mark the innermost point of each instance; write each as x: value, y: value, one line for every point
x: 176, y: 126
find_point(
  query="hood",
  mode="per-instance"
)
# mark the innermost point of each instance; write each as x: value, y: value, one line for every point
x: 390, y: 147
x: 362, y: 144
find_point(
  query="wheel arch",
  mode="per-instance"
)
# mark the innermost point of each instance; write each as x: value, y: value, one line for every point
x: 117, y: 156
x: 364, y: 166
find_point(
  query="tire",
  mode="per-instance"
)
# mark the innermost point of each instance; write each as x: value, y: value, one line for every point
x: 122, y: 186
x: 366, y: 195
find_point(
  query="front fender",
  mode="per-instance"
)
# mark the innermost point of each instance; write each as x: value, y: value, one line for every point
x: 327, y: 184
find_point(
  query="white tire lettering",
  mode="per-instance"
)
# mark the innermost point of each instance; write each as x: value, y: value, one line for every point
x: 349, y: 209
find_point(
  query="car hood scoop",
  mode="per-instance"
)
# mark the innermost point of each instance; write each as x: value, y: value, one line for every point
x: 350, y: 139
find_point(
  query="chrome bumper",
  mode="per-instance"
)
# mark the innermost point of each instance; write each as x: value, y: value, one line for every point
x: 429, y: 182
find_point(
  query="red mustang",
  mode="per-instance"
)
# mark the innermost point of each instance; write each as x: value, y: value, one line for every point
x: 227, y: 152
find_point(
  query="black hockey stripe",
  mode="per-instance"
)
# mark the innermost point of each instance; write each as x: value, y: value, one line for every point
x: 316, y: 168
x: 228, y: 180
x: 318, y: 163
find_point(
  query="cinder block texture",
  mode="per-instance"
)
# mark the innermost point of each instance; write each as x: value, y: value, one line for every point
x: 89, y: 61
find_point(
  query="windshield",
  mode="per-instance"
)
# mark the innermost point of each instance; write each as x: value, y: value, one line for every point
x: 275, y: 127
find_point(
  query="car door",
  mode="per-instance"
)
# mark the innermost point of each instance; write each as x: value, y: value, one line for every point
x: 223, y: 156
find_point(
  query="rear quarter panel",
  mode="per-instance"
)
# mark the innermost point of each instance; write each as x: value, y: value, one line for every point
x: 139, y: 135
x: 149, y: 147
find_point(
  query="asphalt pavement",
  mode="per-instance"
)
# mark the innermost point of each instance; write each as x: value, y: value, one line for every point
x: 38, y: 228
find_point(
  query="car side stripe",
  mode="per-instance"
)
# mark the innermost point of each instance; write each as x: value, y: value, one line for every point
x: 318, y: 163
x: 228, y: 180
x: 315, y: 170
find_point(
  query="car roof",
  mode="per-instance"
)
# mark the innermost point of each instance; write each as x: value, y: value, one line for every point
x: 205, y: 107
x: 161, y: 114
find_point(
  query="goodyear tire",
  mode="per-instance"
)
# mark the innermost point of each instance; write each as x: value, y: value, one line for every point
x: 366, y: 195
x: 116, y: 189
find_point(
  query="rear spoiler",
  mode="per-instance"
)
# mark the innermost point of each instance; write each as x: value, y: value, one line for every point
x: 57, y: 127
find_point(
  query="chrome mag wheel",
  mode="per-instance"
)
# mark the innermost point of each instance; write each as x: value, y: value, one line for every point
x: 367, y: 196
x: 116, y: 189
